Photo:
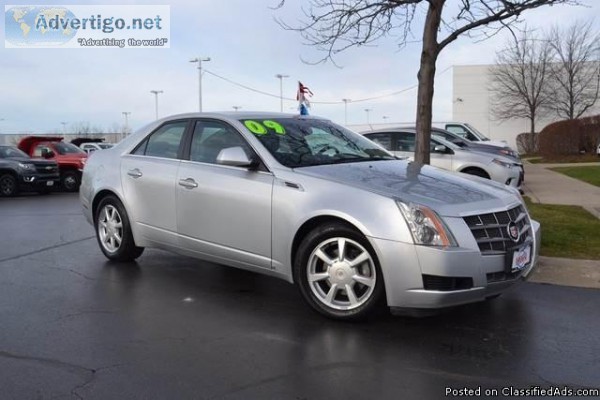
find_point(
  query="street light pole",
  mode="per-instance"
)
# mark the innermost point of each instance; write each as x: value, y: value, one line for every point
x: 280, y: 77
x: 156, y: 93
x: 126, y: 129
x: 236, y: 107
x: 368, y: 110
x: 64, y: 124
x: 346, y: 101
x: 199, y: 61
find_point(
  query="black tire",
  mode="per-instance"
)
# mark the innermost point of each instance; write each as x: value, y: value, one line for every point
x: 127, y: 250
x: 477, y: 172
x: 70, y: 181
x: 8, y: 185
x: 302, y: 267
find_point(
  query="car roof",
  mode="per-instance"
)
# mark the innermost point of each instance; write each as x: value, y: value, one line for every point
x: 241, y: 115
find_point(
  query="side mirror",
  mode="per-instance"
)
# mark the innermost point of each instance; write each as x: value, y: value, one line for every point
x: 440, y: 148
x: 46, y: 153
x: 235, y: 157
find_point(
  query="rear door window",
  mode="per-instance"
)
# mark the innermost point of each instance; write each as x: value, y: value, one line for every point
x: 164, y: 142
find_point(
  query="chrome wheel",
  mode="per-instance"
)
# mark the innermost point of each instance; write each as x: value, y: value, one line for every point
x: 110, y: 228
x: 341, y: 273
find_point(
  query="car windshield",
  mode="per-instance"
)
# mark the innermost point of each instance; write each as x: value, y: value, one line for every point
x: 67, y: 148
x: 475, y: 132
x: 11, y: 152
x: 299, y: 142
x: 105, y: 145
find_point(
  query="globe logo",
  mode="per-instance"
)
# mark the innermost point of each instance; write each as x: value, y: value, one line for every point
x: 30, y: 26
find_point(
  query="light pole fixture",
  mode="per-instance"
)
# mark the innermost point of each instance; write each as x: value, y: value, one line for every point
x: 280, y: 77
x: 385, y: 117
x: 126, y: 129
x: 236, y: 108
x: 199, y: 61
x: 156, y: 93
x: 346, y: 101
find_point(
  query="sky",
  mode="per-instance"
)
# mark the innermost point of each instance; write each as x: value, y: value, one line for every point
x: 41, y: 88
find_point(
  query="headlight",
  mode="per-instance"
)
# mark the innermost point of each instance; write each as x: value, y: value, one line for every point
x: 502, y: 163
x: 29, y: 167
x: 426, y: 226
x: 509, y: 153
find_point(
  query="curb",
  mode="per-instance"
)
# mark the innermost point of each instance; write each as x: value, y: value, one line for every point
x: 567, y: 272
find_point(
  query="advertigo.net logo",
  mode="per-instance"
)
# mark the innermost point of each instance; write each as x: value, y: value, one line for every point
x: 86, y: 26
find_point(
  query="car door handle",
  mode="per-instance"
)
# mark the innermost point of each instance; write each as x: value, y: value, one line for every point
x: 135, y: 173
x: 188, y: 183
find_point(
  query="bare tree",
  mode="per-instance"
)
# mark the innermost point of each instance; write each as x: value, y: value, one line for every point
x: 336, y: 25
x: 84, y: 128
x: 575, y: 69
x: 519, y: 81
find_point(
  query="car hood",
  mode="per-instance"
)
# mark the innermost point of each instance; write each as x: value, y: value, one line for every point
x: 448, y: 193
x: 34, y: 161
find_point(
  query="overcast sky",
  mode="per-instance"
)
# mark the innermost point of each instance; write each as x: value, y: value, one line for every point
x: 39, y: 88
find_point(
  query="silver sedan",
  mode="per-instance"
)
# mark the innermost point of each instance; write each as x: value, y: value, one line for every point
x: 305, y: 200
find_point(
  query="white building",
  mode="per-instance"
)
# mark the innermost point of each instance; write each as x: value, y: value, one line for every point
x: 472, y: 102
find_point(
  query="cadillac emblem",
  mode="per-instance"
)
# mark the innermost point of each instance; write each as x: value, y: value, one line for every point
x: 513, y: 231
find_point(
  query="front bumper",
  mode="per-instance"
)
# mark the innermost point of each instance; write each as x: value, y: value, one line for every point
x: 39, y: 181
x: 406, y: 267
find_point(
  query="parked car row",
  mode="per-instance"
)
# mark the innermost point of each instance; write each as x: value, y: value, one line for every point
x: 454, y: 153
x: 18, y: 172
x: 308, y: 201
x: 44, y: 163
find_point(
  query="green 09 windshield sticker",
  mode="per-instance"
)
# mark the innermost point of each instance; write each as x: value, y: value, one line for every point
x: 263, y: 128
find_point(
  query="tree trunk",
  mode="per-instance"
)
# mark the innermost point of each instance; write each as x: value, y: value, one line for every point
x: 426, y: 77
x: 532, y: 146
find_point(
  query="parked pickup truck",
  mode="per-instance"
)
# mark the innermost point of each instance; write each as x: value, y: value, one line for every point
x: 18, y: 172
x: 69, y: 157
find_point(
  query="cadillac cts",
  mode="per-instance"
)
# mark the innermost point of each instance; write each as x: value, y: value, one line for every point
x: 306, y: 200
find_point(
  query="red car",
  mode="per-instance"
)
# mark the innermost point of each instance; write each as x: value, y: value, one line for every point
x: 70, y: 158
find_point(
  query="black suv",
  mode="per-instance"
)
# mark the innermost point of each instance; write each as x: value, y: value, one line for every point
x: 20, y: 172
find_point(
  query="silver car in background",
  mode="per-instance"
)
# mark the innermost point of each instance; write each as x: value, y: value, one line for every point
x: 447, y: 155
x: 305, y: 200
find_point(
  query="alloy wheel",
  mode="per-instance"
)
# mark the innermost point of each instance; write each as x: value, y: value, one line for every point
x: 341, y: 273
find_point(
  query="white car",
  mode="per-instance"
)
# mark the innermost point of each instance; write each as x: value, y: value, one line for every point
x: 92, y: 147
x: 446, y: 155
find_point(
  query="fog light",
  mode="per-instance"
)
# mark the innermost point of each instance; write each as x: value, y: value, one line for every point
x: 29, y: 179
x: 508, y: 181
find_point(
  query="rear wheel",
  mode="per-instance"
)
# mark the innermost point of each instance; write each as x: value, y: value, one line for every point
x: 8, y: 185
x: 113, y: 231
x: 337, y: 272
x: 70, y: 181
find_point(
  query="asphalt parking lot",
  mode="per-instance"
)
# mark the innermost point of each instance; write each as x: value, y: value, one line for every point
x: 76, y: 326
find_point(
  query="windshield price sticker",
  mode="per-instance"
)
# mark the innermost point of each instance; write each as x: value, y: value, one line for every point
x: 263, y: 128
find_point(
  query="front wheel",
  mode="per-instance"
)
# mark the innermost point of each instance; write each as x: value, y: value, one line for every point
x: 337, y: 272
x: 70, y: 181
x: 8, y: 185
x: 113, y: 231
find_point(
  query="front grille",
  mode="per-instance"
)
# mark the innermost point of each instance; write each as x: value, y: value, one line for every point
x: 46, y: 169
x: 490, y: 230
x: 446, y: 283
